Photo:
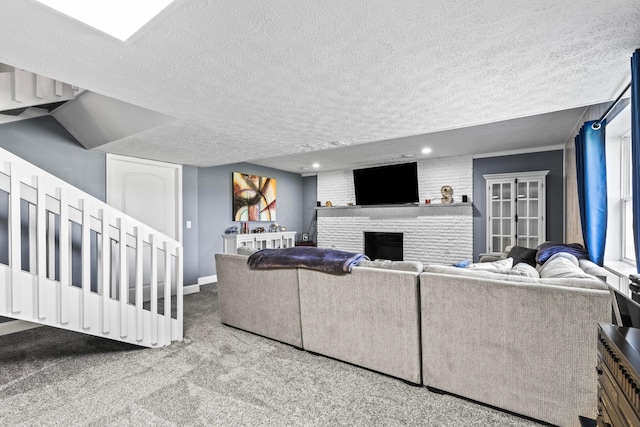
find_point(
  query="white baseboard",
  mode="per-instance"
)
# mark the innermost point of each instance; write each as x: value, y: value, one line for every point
x: 14, y: 326
x: 207, y: 279
x: 191, y: 289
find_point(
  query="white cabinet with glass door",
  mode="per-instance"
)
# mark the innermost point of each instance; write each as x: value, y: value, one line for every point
x: 515, y: 210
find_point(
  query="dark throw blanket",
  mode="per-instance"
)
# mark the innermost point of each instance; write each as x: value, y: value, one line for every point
x: 321, y: 259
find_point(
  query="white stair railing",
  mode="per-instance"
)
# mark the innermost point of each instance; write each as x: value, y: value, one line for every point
x: 76, y: 263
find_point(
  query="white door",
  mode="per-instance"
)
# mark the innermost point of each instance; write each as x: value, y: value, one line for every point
x: 147, y: 190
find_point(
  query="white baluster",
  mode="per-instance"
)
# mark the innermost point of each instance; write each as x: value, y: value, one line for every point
x: 167, y: 294
x: 179, y: 294
x: 105, y: 263
x: 124, y: 283
x: 154, y: 289
x: 139, y: 284
x: 41, y: 246
x: 86, y: 264
x: 65, y: 257
x: 15, y: 235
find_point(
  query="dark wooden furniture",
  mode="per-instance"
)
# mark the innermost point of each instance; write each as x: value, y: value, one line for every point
x: 618, y: 376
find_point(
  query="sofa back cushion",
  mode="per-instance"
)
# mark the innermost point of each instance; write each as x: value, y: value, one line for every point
x: 412, y: 266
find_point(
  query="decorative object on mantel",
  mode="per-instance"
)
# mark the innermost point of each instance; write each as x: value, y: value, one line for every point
x: 447, y: 194
x: 351, y: 204
x: 427, y: 201
x: 328, y: 203
x: 258, y: 230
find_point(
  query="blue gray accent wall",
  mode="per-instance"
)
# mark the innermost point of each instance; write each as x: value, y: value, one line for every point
x: 546, y: 160
x: 310, y: 196
x: 215, y: 206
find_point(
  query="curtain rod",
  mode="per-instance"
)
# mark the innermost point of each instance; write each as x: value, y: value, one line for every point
x: 596, y: 124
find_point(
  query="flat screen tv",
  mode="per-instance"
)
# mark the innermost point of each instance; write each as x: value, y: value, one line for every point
x: 386, y: 185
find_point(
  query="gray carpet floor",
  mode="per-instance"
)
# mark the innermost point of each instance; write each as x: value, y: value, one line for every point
x: 219, y: 376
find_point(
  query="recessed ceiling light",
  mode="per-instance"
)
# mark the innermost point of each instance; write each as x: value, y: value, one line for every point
x: 316, y: 165
x: 407, y: 156
x: 426, y: 150
x: 118, y: 18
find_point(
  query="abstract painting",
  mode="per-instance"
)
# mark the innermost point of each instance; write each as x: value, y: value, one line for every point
x: 254, y: 197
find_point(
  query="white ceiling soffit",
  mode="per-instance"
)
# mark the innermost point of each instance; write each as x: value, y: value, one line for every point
x: 253, y: 80
x: 95, y: 120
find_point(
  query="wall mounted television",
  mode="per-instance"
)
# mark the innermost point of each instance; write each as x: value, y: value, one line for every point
x: 386, y: 185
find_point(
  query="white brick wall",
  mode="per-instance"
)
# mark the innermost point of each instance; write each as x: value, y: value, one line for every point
x: 434, y: 239
x: 337, y: 186
x: 454, y: 171
x: 433, y: 235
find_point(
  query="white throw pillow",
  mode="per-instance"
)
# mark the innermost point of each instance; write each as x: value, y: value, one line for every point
x: 563, y: 267
x: 526, y: 270
x: 501, y: 264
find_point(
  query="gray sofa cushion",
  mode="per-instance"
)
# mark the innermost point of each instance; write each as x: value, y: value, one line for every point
x: 245, y: 250
x: 412, y: 266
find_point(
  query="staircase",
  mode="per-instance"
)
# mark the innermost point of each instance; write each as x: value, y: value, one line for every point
x: 70, y: 261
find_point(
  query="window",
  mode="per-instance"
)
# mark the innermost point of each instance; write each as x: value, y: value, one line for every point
x: 628, y: 251
x: 516, y: 209
x: 619, y: 244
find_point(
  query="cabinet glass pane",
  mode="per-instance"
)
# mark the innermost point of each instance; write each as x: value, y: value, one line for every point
x: 495, y: 209
x: 495, y: 244
x: 522, y: 208
x: 522, y: 241
x: 533, y: 243
x: 506, y: 191
x: 506, y: 209
x: 506, y: 226
x: 522, y: 190
x: 506, y: 241
x: 495, y: 226
x: 522, y: 227
x: 533, y: 190
x: 533, y: 227
x: 533, y: 208
x: 495, y: 191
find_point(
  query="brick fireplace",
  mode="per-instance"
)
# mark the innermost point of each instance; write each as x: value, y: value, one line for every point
x: 433, y: 234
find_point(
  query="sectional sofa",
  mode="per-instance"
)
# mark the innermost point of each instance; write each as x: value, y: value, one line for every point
x: 525, y: 345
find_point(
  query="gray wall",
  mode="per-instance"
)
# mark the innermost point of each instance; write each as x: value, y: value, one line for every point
x: 546, y: 160
x: 190, y: 213
x: 215, y: 206
x: 45, y: 143
x: 310, y: 196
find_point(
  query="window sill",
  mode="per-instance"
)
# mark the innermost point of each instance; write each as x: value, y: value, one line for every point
x: 620, y: 268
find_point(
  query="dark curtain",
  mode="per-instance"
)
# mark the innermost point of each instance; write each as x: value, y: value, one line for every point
x: 635, y: 150
x: 592, y: 187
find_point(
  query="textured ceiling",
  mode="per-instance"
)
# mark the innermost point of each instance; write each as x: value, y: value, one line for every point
x: 253, y: 80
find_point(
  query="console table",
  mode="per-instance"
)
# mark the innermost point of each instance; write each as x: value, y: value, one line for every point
x: 283, y: 239
x: 618, y: 376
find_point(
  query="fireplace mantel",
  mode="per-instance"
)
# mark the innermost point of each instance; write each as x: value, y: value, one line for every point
x: 395, y: 211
